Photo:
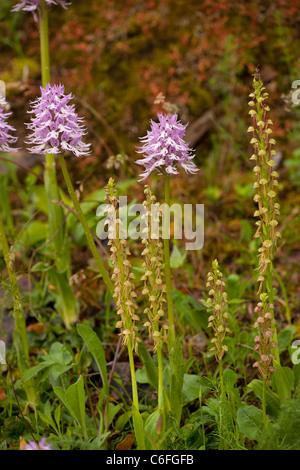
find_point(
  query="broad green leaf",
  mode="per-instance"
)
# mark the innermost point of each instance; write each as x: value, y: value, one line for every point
x: 33, y: 233
x: 177, y: 258
x: 65, y: 301
x: 96, y: 349
x: 33, y: 371
x: 151, y: 369
x: 58, y: 369
x: 113, y: 411
x: 59, y: 353
x: 229, y: 377
x: 190, y: 310
x: 39, y: 198
x: 285, y: 337
x: 192, y: 384
x: 251, y: 422
x: 74, y: 401
x: 150, y: 430
x: 272, y: 399
x: 41, y: 267
x: 141, y: 376
x: 283, y: 378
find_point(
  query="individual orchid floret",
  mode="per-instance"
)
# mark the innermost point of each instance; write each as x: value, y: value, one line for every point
x: 34, y: 5
x: 56, y: 127
x: 38, y: 446
x: 5, y: 129
x: 164, y: 148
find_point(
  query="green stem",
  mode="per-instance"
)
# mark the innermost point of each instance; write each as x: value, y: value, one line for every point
x: 222, y: 445
x: 269, y: 285
x: 20, y: 334
x: 55, y: 212
x: 44, y: 43
x: 137, y: 419
x: 85, y: 226
x: 171, y: 335
x: 284, y: 293
x: 68, y: 308
x: 221, y: 379
x: 161, y: 406
x: 264, y: 403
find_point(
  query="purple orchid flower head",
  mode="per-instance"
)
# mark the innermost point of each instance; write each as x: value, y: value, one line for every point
x: 55, y: 127
x: 5, y: 129
x: 34, y: 5
x: 164, y: 148
x: 40, y: 446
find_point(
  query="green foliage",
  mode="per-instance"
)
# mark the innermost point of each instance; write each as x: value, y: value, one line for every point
x: 284, y: 434
x: 251, y: 422
x: 200, y: 61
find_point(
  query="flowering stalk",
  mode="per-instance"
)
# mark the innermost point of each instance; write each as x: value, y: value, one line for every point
x: 56, y: 128
x: 124, y: 295
x: 55, y: 211
x: 265, y: 197
x: 164, y: 149
x: 155, y: 290
x: 217, y: 321
x: 57, y: 231
x: 20, y: 335
x: 264, y: 344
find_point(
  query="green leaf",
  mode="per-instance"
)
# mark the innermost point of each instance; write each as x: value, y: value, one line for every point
x: 229, y: 377
x: 251, y: 422
x: 285, y: 337
x: 283, y: 379
x: 59, y: 360
x: 74, y: 401
x: 33, y: 371
x: 39, y: 198
x: 141, y: 376
x: 190, y: 310
x: 177, y: 258
x: 272, y: 399
x: 150, y: 430
x: 96, y: 349
x: 60, y: 354
x: 33, y: 233
x: 192, y: 384
x: 41, y: 267
x: 65, y: 301
x: 151, y: 369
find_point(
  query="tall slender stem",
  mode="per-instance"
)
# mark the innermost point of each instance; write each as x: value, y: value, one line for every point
x: 264, y: 403
x: 85, y: 226
x: 55, y: 213
x: 269, y: 285
x: 57, y: 231
x: 221, y: 378
x: 137, y: 419
x: 44, y: 42
x: 161, y: 406
x: 222, y: 445
x: 171, y: 335
x: 20, y: 334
